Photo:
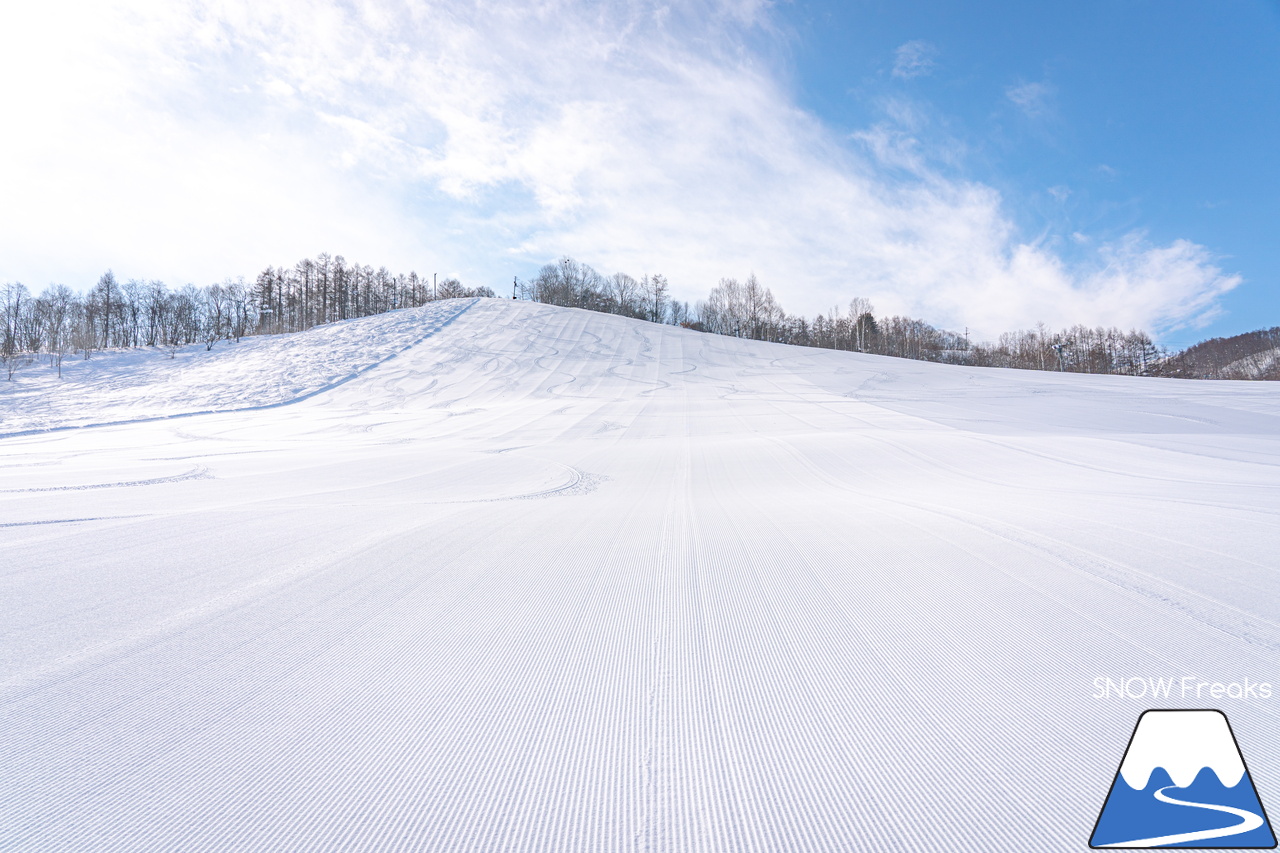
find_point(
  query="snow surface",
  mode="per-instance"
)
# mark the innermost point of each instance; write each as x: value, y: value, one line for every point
x: 553, y: 580
x: 1254, y: 366
x: 258, y: 371
x: 1183, y: 743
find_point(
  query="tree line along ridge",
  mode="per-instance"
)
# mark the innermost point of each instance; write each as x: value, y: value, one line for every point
x: 136, y: 313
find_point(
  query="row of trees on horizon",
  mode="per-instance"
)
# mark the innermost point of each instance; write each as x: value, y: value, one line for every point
x: 748, y: 309
x: 117, y: 314
x: 113, y: 314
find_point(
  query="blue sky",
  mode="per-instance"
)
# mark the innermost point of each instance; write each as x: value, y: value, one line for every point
x: 1092, y: 118
x: 980, y: 165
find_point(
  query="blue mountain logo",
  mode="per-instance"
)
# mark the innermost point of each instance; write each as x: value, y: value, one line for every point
x: 1183, y: 783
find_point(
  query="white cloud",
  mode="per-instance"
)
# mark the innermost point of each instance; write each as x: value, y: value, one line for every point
x: 914, y: 59
x: 1032, y: 98
x: 189, y: 141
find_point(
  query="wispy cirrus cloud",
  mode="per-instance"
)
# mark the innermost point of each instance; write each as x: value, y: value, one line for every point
x: 1032, y: 98
x: 915, y: 58
x: 196, y: 139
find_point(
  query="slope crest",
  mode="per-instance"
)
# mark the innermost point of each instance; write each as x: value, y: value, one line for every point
x: 266, y: 370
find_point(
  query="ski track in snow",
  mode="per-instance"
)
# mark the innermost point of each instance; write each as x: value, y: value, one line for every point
x: 494, y: 576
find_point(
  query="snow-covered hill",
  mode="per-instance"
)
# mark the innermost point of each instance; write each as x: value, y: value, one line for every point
x: 252, y: 372
x: 1260, y: 365
x: 538, y: 579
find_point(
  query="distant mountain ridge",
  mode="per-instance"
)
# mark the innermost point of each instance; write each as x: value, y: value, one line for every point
x: 1252, y: 355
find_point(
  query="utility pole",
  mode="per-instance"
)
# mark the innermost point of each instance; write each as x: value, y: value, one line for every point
x: 433, y: 285
x: 513, y: 287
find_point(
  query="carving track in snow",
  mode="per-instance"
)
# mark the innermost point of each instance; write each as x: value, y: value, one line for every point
x: 550, y: 580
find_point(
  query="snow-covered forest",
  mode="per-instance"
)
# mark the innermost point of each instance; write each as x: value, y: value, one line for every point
x: 1252, y: 355
x: 115, y: 314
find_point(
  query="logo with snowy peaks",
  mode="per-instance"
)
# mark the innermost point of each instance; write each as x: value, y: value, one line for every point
x: 1183, y: 783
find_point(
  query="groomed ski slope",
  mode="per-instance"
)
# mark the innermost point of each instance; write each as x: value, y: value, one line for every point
x: 552, y: 580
